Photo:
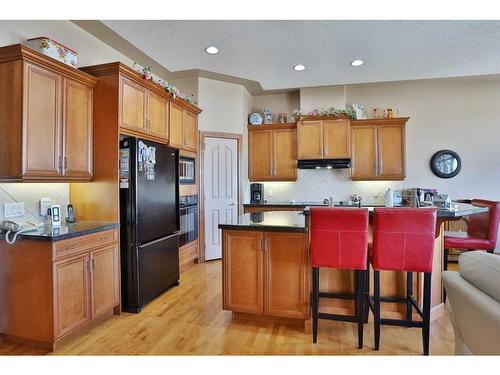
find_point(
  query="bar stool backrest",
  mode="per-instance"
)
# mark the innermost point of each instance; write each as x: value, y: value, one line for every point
x: 339, y: 237
x: 403, y: 239
x: 485, y: 225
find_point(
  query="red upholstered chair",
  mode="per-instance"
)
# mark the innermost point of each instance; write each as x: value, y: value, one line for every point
x: 482, y: 231
x: 403, y: 240
x: 339, y: 239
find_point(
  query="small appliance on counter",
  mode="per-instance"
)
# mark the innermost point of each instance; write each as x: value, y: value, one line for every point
x: 256, y: 193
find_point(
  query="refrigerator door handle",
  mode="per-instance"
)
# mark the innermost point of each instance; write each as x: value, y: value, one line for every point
x: 176, y: 233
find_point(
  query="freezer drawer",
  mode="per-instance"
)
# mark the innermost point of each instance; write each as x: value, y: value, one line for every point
x: 156, y: 269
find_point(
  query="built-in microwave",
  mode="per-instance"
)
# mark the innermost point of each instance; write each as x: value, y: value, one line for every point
x: 187, y: 170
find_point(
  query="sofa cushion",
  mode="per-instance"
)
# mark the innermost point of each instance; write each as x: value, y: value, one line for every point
x: 482, y: 270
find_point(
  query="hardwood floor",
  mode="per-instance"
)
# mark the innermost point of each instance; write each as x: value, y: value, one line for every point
x: 189, y: 320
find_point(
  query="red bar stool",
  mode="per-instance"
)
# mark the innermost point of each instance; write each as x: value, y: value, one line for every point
x: 482, y: 231
x: 403, y: 240
x: 339, y: 239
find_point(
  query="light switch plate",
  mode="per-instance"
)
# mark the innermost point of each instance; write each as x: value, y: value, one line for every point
x: 45, y: 204
x: 14, y: 209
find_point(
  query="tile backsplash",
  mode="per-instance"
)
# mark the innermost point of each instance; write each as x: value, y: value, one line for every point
x: 30, y: 194
x: 314, y: 185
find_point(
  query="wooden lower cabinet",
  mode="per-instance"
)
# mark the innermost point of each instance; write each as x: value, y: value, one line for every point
x: 73, y: 285
x: 71, y: 294
x: 105, y: 272
x: 286, y: 275
x: 242, y: 262
x: 266, y: 273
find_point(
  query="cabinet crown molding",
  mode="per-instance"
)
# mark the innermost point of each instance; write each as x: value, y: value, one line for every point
x: 381, y: 121
x: 22, y: 52
x: 118, y: 67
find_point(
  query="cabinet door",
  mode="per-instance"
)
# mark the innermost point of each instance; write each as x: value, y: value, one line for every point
x: 242, y: 262
x: 286, y: 275
x: 285, y: 154
x: 42, y: 113
x: 133, y: 105
x: 364, y: 152
x: 105, y: 288
x: 260, y: 165
x: 390, y: 142
x: 176, y: 126
x: 158, y: 115
x: 190, y: 131
x: 77, y: 134
x: 336, y: 139
x: 309, y: 140
x: 71, y: 294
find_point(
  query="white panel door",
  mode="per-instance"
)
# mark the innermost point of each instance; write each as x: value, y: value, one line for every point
x: 220, y: 171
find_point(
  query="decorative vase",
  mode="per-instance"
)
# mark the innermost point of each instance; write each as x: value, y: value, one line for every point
x: 268, y: 115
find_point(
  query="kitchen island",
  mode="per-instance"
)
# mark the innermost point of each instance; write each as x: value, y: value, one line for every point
x: 266, y: 269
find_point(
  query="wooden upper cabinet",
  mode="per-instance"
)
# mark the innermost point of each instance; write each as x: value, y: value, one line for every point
x: 176, y: 125
x: 260, y: 160
x: 243, y: 280
x: 46, y: 119
x: 42, y: 99
x: 285, y: 153
x: 309, y: 140
x: 158, y: 115
x: 190, y: 131
x: 71, y: 294
x: 378, y: 149
x: 323, y: 139
x: 77, y: 135
x: 105, y: 288
x: 364, y: 152
x: 336, y: 139
x: 272, y: 153
x: 286, y: 275
x: 391, y: 151
x: 133, y: 105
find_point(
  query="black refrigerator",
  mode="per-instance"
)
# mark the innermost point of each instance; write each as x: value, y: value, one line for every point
x: 149, y: 216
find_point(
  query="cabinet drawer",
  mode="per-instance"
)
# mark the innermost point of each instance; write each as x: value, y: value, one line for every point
x: 75, y: 245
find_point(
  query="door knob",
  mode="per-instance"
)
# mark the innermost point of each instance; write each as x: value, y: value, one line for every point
x: 232, y: 204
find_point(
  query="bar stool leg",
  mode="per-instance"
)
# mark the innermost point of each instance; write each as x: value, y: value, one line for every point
x: 367, y: 292
x: 356, y: 292
x: 361, y: 303
x: 376, y: 307
x: 426, y: 312
x: 315, y: 302
x: 445, y: 268
x: 409, y: 293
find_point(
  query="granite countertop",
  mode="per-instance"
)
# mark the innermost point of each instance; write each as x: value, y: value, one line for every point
x: 66, y: 230
x: 296, y: 221
x: 305, y: 204
x: 279, y: 221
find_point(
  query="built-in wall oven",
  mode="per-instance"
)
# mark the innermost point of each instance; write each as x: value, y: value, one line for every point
x: 188, y: 212
x: 186, y: 171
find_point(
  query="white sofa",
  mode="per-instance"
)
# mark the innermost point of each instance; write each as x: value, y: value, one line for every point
x: 474, y: 297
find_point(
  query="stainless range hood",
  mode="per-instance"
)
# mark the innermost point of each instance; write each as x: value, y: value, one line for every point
x: 324, y: 163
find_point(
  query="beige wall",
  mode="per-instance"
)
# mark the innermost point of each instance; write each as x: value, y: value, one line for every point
x: 287, y: 102
x: 322, y: 97
x: 225, y: 109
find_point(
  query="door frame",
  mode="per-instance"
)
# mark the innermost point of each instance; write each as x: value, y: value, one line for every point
x: 239, y: 141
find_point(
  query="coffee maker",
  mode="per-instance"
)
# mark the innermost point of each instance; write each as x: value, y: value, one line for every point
x: 256, y: 193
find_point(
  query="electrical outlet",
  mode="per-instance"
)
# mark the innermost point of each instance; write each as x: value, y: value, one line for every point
x: 45, y: 204
x: 15, y: 209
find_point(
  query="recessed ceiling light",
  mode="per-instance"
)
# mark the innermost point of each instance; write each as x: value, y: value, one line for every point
x: 212, y: 50
x: 357, y: 62
x: 299, y: 68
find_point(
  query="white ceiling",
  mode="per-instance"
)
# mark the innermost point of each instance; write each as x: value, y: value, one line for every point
x: 266, y: 51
